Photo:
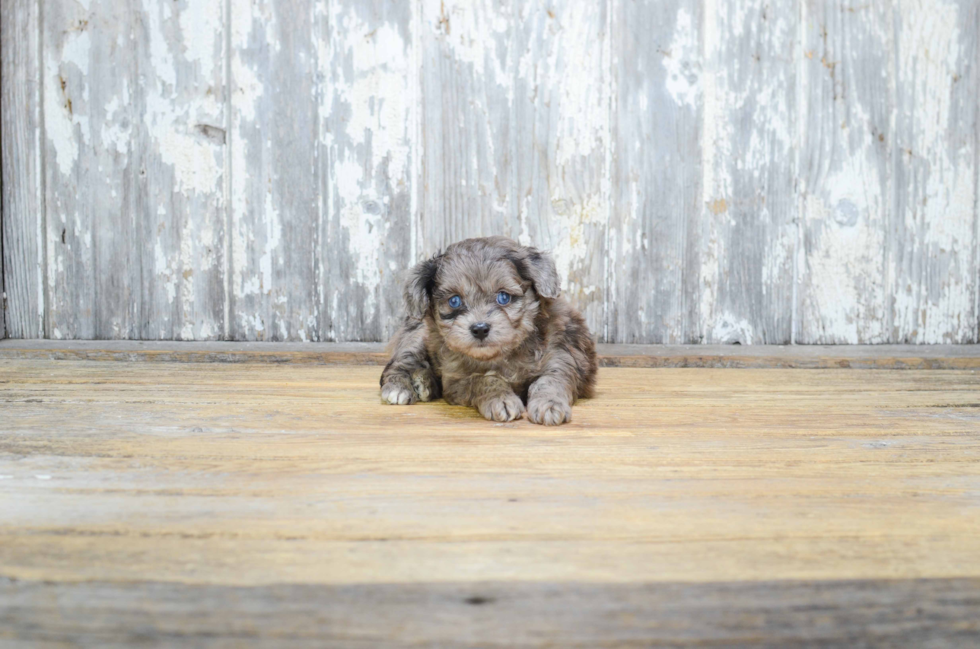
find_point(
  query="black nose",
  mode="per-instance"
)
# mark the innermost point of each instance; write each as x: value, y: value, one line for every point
x: 480, y: 330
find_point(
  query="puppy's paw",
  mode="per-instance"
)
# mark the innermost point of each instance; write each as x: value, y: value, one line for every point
x: 398, y: 393
x: 425, y: 385
x: 507, y: 407
x: 549, y: 412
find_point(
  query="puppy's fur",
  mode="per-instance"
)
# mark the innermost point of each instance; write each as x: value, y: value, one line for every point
x: 537, y: 352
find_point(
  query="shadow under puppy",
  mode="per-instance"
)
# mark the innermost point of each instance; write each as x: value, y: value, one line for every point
x: 486, y: 327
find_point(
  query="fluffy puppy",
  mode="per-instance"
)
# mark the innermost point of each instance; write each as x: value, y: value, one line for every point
x: 485, y: 327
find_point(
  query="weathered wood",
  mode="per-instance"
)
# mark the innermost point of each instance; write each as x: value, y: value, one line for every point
x: 181, y: 135
x: 933, y: 274
x: 865, y: 613
x: 655, y: 238
x: 22, y: 261
x: 367, y: 175
x: 750, y: 205
x: 275, y: 206
x: 93, y: 169
x: 741, y: 171
x: 515, y: 108
x: 846, y: 172
x: 262, y: 493
x: 936, y: 357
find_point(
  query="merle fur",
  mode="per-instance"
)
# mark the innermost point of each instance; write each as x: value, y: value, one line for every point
x: 538, y: 359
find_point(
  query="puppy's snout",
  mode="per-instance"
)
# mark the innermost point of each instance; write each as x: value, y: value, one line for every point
x: 480, y: 330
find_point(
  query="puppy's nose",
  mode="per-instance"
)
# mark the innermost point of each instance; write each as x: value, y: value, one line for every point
x: 480, y: 330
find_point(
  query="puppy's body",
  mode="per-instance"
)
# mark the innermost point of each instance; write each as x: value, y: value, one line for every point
x: 486, y: 327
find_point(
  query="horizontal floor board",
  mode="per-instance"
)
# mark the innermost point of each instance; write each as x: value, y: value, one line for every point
x: 716, y: 356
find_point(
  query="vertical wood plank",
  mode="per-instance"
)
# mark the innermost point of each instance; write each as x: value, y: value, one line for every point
x: 846, y: 174
x: 516, y: 132
x: 275, y: 213
x: 934, y: 278
x: 657, y: 174
x: 365, y: 164
x: 92, y: 169
x: 21, y: 265
x: 750, y: 206
x: 181, y: 203
x: 467, y: 82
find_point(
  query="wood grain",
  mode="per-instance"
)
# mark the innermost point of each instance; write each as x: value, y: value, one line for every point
x: 197, y: 493
x: 703, y: 171
x: 846, y: 173
x: 366, y: 162
x: 93, y: 171
x: 867, y: 613
x: 934, y: 281
x: 21, y: 264
x: 654, y: 235
x: 750, y: 202
x: 275, y: 211
x: 181, y: 203
x: 892, y: 357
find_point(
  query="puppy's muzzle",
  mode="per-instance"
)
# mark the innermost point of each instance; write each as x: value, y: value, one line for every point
x: 480, y: 330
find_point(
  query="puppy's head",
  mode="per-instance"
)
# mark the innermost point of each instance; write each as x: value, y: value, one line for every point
x: 483, y: 294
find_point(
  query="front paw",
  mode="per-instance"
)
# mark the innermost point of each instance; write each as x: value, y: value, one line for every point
x: 549, y: 412
x: 398, y: 393
x: 507, y: 407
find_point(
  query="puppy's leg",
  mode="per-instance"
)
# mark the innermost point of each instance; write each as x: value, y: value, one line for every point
x: 492, y: 396
x: 568, y: 372
x: 549, y: 399
x: 408, y: 377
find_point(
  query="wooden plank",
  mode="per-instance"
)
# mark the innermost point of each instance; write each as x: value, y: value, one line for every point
x: 866, y: 613
x: 846, y: 172
x: 655, y: 268
x: 181, y: 137
x: 21, y: 264
x: 366, y: 164
x: 93, y: 169
x: 748, y: 144
x: 275, y: 223
x: 515, y: 108
x: 467, y: 77
x: 255, y: 475
x: 939, y: 357
x: 933, y: 274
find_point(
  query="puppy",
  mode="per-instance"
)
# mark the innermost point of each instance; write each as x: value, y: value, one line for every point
x: 485, y: 327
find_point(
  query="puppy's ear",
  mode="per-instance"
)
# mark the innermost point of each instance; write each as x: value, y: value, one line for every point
x: 418, y: 289
x: 539, y: 268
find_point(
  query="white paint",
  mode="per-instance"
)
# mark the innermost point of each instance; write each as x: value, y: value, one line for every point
x: 59, y: 121
x: 273, y: 239
x: 197, y: 24
x: 939, y: 204
x: 682, y: 61
x: 845, y: 270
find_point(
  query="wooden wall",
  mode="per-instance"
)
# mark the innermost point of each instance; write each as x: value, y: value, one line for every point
x: 754, y: 171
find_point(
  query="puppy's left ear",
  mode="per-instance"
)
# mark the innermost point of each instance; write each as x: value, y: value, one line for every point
x: 539, y: 268
x: 418, y: 289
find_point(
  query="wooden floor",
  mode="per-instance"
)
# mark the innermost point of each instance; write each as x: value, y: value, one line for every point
x: 192, y: 504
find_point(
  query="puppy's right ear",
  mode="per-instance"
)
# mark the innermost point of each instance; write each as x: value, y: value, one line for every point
x: 418, y: 289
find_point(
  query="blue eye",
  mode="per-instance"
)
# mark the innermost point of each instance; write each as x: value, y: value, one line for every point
x: 503, y: 298
x: 455, y: 302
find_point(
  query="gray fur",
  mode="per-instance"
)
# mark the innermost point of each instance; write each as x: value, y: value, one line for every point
x: 537, y: 359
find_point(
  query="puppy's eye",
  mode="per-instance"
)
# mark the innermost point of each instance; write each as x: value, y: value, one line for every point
x: 455, y: 301
x: 503, y: 298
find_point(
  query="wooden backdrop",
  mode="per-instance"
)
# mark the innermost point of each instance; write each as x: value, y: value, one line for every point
x: 754, y: 171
